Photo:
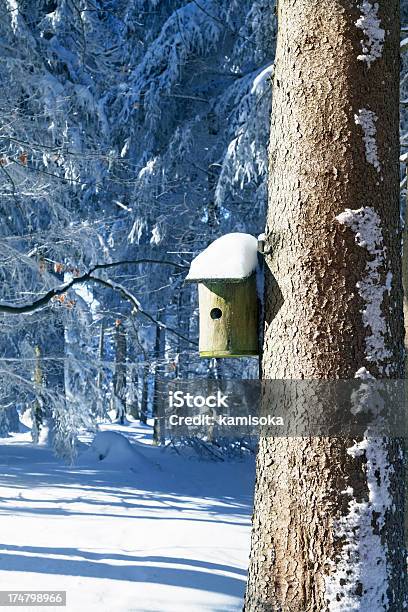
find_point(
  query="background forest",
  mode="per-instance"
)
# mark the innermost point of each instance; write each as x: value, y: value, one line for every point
x: 131, y: 131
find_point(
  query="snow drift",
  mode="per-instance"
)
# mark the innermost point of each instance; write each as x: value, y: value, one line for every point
x: 111, y: 447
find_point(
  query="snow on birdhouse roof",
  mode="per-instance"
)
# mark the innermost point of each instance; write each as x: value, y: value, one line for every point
x: 232, y: 257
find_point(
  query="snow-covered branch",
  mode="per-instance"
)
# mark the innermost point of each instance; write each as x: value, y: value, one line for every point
x: 87, y: 276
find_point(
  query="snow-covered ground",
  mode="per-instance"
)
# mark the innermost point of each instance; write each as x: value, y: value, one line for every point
x: 154, y: 531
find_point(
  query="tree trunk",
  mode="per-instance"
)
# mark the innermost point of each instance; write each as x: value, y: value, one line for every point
x: 183, y: 316
x: 405, y: 287
x: 328, y: 521
x: 101, y: 411
x: 159, y: 372
x: 37, y: 411
x: 405, y: 268
x: 119, y: 378
x: 134, y: 392
x: 54, y: 383
x: 144, y: 403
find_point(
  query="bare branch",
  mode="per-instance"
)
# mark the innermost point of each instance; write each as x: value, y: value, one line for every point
x: 56, y: 291
x: 127, y: 295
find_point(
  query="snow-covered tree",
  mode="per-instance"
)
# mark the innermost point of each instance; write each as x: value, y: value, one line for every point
x: 130, y: 130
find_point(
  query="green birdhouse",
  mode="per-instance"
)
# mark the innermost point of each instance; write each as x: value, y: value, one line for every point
x: 228, y: 302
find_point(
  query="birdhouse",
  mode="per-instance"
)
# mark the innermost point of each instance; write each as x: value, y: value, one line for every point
x: 228, y: 302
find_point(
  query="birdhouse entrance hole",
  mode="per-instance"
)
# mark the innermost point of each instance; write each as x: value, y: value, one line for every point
x: 216, y: 313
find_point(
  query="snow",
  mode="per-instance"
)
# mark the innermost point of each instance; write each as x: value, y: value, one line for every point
x: 123, y: 206
x: 232, y: 147
x: 366, y: 224
x: 370, y: 23
x: 233, y: 256
x: 13, y: 10
x: 404, y: 44
x: 362, y: 560
x: 366, y: 119
x: 85, y: 293
x: 156, y: 235
x: 358, y: 449
x: 111, y: 447
x: 260, y: 79
x: 363, y: 556
x: 148, y: 169
x: 363, y: 373
x: 163, y: 533
x: 125, y: 148
x: 136, y: 232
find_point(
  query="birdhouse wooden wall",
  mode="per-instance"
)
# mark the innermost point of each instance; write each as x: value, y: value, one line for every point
x: 228, y: 318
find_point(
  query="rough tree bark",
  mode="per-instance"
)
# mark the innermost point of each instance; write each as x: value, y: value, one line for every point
x: 328, y: 517
x: 405, y: 288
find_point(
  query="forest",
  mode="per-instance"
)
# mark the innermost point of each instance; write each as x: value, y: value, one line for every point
x: 134, y: 136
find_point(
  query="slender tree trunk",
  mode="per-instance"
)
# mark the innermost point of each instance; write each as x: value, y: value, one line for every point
x: 119, y: 379
x: 54, y: 382
x: 328, y: 518
x: 405, y: 287
x: 144, y: 403
x: 134, y: 384
x: 100, y: 399
x: 38, y: 408
x: 405, y: 268
x: 158, y: 425
x: 183, y: 315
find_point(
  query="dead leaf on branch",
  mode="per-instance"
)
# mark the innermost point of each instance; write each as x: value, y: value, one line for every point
x: 58, y: 267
